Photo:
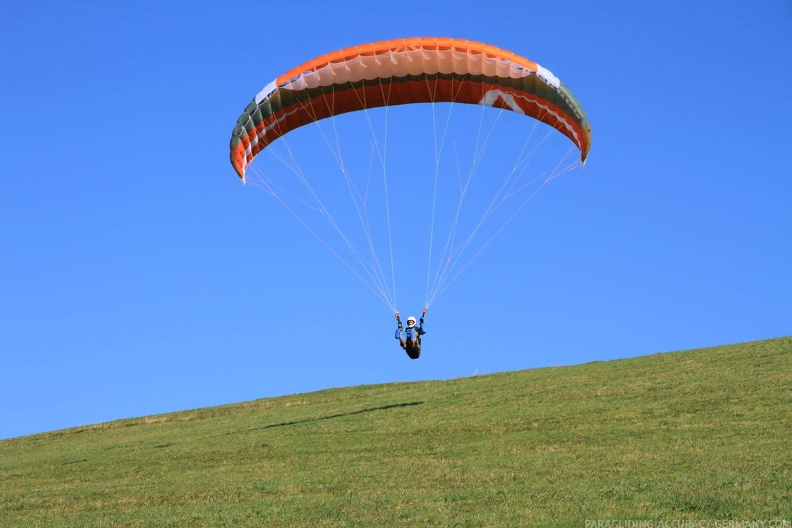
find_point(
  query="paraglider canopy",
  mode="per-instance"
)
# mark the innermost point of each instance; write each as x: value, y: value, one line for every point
x: 442, y: 195
x: 405, y: 71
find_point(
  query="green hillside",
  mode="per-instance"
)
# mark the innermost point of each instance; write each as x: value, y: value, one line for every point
x: 703, y: 434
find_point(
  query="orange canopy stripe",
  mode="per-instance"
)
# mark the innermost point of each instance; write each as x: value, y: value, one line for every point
x: 403, y: 45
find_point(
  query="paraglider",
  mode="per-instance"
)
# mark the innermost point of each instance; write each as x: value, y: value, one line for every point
x: 394, y: 73
x: 412, y: 343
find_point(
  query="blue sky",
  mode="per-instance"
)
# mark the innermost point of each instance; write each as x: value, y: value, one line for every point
x: 138, y: 276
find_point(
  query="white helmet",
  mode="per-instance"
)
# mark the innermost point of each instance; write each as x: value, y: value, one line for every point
x: 411, y: 319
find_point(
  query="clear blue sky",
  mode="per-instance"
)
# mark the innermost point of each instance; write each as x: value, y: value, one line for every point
x: 138, y: 276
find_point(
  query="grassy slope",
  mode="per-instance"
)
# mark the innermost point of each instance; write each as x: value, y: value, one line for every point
x: 704, y: 434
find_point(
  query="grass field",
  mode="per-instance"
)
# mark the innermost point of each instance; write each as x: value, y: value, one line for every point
x: 703, y: 434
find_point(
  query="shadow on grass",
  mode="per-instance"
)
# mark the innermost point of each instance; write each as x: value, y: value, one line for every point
x: 339, y: 415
